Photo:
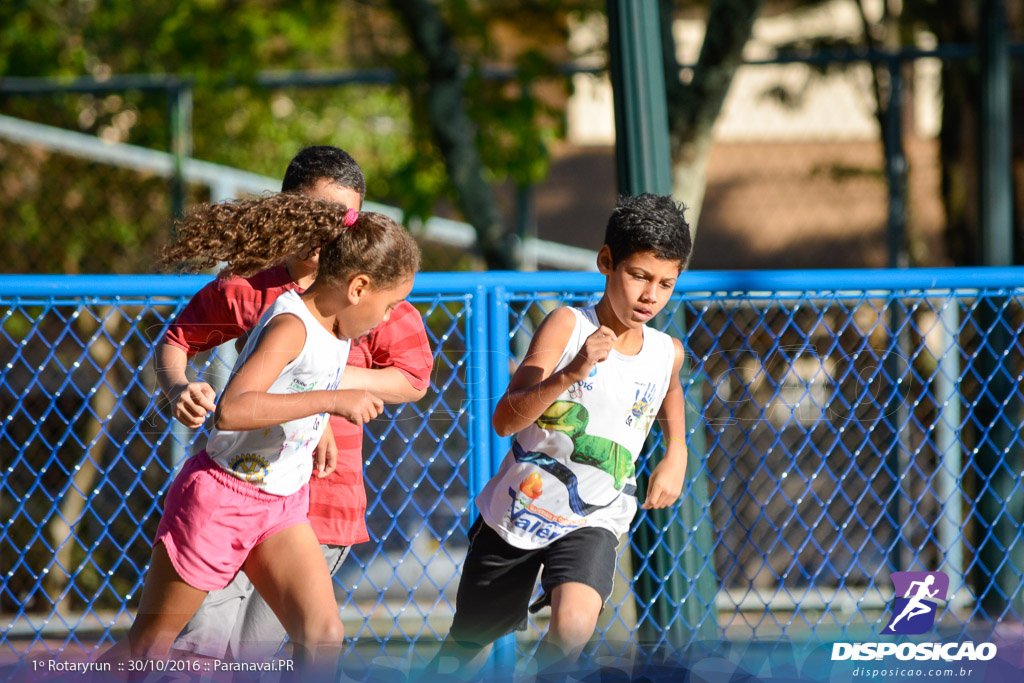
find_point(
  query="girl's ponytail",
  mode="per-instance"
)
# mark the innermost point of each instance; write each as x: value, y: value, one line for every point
x: 251, y: 235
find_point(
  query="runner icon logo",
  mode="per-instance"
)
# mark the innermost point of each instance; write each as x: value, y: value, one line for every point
x: 916, y: 602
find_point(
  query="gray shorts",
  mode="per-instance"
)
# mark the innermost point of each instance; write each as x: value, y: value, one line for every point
x: 236, y: 623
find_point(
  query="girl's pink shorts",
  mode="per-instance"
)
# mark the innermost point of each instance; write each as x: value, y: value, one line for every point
x: 212, y: 520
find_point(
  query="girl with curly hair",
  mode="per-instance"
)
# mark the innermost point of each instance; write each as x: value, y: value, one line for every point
x: 394, y: 361
x: 242, y: 502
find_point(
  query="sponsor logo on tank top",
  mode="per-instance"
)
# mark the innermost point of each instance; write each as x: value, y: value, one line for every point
x: 534, y: 520
x: 250, y: 467
x: 297, y: 385
x: 640, y: 414
x: 577, y: 389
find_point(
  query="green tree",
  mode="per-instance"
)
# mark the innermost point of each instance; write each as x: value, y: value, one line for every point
x: 402, y: 133
x: 886, y: 26
x: 221, y: 46
x: 486, y: 130
x: 442, y: 101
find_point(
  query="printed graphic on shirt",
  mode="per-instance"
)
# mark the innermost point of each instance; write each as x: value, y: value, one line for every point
x: 577, y: 389
x: 333, y: 384
x: 307, y: 444
x: 535, y: 520
x: 532, y: 486
x: 297, y: 385
x: 640, y: 416
x: 572, y: 419
x: 563, y: 474
x: 250, y: 467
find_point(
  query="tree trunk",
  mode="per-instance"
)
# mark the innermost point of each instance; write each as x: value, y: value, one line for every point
x: 888, y: 96
x: 454, y: 132
x: 958, y: 140
x: 694, y: 107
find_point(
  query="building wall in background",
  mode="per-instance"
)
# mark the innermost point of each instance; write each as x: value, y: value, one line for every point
x: 796, y: 174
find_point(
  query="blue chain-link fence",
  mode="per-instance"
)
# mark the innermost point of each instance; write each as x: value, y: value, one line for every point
x: 842, y: 425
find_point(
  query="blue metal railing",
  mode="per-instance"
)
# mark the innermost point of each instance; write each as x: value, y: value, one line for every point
x: 828, y: 449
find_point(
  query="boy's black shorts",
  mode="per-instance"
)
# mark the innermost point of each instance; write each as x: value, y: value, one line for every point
x: 498, y: 579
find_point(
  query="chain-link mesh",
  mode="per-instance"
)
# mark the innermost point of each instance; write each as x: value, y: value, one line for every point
x: 401, y: 585
x: 89, y: 452
x: 836, y: 435
x: 841, y: 436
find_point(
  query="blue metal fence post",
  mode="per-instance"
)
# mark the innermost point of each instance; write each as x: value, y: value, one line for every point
x: 499, y: 357
x: 477, y: 394
x: 504, y: 651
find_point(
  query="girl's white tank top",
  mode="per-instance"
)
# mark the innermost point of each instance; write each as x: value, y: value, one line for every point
x: 279, y: 458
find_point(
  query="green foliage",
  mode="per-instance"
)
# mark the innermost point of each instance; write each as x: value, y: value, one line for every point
x: 81, y: 217
x: 66, y: 215
x: 516, y: 125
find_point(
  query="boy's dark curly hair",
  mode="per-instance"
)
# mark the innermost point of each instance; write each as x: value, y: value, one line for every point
x: 251, y: 235
x: 648, y: 222
x: 312, y: 164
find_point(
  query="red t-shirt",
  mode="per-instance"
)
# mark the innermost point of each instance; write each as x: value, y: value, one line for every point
x: 228, y: 307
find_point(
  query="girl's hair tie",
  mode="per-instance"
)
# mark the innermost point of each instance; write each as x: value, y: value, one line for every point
x: 350, y: 217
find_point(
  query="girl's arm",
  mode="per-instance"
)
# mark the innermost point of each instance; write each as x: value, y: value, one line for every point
x: 666, y: 480
x: 389, y: 384
x: 245, y: 403
x: 400, y: 345
x: 221, y: 310
x: 534, y: 387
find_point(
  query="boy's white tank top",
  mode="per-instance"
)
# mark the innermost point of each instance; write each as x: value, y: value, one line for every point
x: 574, y: 466
x: 279, y: 458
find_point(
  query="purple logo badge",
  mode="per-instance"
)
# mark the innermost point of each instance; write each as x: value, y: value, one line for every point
x: 917, y: 595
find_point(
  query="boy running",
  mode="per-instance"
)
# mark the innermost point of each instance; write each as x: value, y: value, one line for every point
x: 580, y: 406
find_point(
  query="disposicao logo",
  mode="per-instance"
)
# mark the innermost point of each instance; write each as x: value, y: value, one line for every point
x: 913, y: 613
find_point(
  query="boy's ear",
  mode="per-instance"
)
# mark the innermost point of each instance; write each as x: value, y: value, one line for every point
x: 604, y: 260
x: 357, y: 287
